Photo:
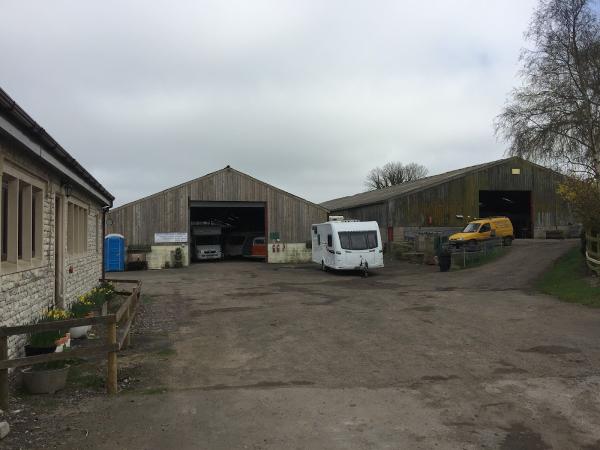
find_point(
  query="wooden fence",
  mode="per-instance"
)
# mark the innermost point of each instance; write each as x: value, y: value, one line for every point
x: 118, y: 326
x: 592, y: 252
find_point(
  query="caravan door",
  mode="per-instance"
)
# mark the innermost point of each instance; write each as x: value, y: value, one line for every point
x: 373, y: 247
x: 329, y: 247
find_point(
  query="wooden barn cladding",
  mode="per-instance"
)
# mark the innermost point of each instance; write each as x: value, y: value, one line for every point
x: 168, y: 211
x: 434, y: 202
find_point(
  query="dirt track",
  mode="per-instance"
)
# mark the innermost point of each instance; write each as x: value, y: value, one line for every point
x: 289, y: 357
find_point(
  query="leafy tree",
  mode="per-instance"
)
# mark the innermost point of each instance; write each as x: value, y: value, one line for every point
x: 554, y: 117
x: 394, y: 173
x: 584, y: 197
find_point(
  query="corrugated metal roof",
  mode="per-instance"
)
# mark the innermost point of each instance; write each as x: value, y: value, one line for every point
x: 381, y: 195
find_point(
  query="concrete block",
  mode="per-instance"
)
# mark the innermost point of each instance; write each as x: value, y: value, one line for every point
x: 4, y: 429
x: 163, y: 253
x: 289, y: 253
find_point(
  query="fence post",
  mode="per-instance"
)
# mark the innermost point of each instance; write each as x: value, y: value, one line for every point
x: 3, y: 374
x: 111, y: 362
x: 127, y: 341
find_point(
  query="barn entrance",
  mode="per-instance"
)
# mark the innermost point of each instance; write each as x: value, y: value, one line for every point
x: 516, y: 205
x: 226, y: 230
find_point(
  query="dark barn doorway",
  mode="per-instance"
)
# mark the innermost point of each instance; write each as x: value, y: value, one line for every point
x: 516, y: 205
x: 225, y: 230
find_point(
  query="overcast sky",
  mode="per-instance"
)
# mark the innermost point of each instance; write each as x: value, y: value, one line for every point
x: 305, y: 95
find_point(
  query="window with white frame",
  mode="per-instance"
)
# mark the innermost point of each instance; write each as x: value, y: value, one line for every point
x: 21, y: 212
x: 77, y: 223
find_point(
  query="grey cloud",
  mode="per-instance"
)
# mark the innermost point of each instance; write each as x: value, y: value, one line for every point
x: 305, y: 95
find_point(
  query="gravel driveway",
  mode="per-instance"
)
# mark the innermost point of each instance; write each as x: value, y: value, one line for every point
x: 250, y: 355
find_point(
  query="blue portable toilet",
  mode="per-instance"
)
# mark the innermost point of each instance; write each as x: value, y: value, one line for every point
x: 114, y: 253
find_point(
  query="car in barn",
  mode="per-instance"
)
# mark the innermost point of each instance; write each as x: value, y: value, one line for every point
x: 255, y: 247
x: 207, y: 242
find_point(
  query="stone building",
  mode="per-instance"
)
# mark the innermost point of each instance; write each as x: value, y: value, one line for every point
x: 51, y: 222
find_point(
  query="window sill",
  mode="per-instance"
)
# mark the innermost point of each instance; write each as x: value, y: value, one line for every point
x: 7, y: 268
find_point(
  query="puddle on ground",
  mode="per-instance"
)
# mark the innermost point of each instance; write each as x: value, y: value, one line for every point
x: 520, y: 437
x: 205, y: 312
x: 425, y: 308
x: 509, y: 370
x: 251, y: 294
x: 439, y: 377
x: 550, y: 350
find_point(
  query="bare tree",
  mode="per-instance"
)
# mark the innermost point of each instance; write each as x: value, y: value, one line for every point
x: 394, y: 173
x: 554, y: 117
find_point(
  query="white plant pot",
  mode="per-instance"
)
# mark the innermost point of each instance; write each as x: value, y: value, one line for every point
x: 79, y: 332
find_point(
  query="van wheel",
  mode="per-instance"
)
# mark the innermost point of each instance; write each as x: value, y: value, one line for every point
x: 472, y: 245
x: 507, y: 241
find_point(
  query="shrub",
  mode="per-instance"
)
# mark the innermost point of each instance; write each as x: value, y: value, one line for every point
x: 94, y: 298
x: 48, y: 338
x: 82, y: 307
x: 178, y: 258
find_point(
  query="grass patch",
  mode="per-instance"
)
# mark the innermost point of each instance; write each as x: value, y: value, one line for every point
x: 147, y: 299
x: 154, y: 391
x: 476, y: 259
x: 569, y: 280
x: 82, y: 378
x: 166, y: 352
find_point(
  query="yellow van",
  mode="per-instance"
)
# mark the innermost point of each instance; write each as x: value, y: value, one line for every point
x: 482, y: 229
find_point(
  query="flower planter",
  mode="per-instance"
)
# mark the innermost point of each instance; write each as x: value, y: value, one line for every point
x: 63, y: 342
x: 45, y: 381
x: 33, y: 351
x: 79, y: 332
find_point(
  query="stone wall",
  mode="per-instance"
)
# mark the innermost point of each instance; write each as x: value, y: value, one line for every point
x: 27, y: 290
x: 160, y: 254
x: 25, y: 296
x: 289, y: 253
x: 82, y: 272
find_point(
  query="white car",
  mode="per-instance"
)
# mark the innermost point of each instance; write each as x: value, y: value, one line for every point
x: 208, y: 247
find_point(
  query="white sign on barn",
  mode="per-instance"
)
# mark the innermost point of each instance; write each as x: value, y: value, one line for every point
x: 170, y: 238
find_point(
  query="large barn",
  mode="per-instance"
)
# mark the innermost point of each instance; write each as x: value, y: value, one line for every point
x: 232, y: 201
x: 513, y: 187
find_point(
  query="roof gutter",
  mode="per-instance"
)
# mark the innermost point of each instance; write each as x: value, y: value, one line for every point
x: 52, y: 154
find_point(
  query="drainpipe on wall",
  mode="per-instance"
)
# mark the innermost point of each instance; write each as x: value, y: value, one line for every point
x: 104, y: 211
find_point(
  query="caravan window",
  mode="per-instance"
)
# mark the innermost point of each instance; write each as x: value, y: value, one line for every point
x: 358, y: 240
x: 372, y: 239
x: 329, y: 240
x: 318, y: 239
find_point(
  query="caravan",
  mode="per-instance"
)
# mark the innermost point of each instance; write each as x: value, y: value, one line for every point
x: 347, y: 245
